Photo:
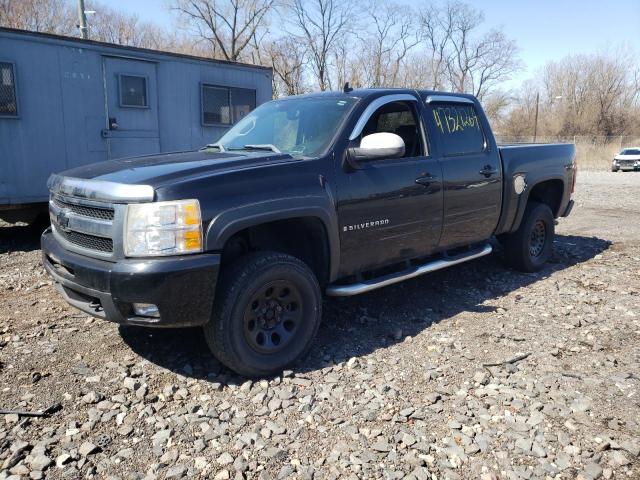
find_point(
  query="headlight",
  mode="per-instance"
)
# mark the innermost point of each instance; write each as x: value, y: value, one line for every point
x: 163, y: 228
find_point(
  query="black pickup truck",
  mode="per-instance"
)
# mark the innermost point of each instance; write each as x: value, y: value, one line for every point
x: 335, y: 193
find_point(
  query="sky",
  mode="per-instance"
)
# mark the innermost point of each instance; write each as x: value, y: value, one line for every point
x: 544, y: 30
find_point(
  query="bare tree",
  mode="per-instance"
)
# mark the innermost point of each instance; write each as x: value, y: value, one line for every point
x: 461, y: 59
x: 393, y: 35
x: 596, y: 95
x: 287, y: 58
x: 436, y: 34
x: 50, y: 16
x: 108, y: 25
x: 320, y: 24
x: 227, y: 25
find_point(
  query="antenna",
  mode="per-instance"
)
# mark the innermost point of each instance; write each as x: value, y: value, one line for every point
x: 347, y: 88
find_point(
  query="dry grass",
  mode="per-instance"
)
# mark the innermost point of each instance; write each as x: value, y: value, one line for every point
x: 596, y: 157
x: 592, y: 153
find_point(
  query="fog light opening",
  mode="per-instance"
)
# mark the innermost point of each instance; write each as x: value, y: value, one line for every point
x: 146, y: 310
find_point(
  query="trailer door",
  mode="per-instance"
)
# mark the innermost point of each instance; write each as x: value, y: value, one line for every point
x: 131, y: 103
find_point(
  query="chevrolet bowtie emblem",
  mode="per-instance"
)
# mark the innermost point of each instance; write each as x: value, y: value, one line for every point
x: 62, y: 219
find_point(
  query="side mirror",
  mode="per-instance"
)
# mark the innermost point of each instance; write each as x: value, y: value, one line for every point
x: 378, y: 146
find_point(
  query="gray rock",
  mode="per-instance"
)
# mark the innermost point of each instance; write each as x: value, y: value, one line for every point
x: 591, y: 471
x: 177, y: 471
x: 131, y: 384
x: 381, y: 446
x: 224, y: 459
x: 631, y: 446
x: 40, y: 462
x: 524, y: 444
x: 616, y: 459
x: 88, y: 448
x: 62, y: 460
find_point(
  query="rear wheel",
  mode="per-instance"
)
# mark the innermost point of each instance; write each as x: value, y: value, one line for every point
x: 531, y: 246
x: 266, y: 313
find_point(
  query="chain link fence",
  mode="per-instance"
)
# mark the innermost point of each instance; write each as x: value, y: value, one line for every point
x: 594, y: 152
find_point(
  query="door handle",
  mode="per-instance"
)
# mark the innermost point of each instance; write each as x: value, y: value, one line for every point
x: 488, y: 170
x: 425, y: 179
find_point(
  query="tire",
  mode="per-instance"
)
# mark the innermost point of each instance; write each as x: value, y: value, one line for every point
x: 531, y: 246
x: 614, y: 169
x: 266, y: 314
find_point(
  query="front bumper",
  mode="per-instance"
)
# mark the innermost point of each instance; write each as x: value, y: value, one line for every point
x: 629, y: 167
x: 182, y: 287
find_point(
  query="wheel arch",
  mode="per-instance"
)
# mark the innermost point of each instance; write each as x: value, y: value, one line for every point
x: 301, y: 227
x: 548, y: 190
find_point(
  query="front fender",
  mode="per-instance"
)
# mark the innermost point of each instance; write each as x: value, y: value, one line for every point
x: 233, y: 220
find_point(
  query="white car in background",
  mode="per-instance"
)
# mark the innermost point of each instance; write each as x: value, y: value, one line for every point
x: 627, y: 159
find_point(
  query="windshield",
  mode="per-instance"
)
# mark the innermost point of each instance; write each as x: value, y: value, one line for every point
x: 298, y: 126
x: 630, y: 151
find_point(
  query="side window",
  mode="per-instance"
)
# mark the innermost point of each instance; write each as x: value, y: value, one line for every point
x: 399, y: 118
x: 8, y: 96
x: 133, y: 91
x: 459, y: 128
x: 226, y: 105
x: 216, y: 106
x: 243, y: 100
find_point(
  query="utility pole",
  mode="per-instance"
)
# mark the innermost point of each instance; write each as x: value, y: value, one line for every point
x: 535, y: 123
x: 83, y: 20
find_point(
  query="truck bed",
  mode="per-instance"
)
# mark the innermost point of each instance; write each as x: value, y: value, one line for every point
x: 538, y: 162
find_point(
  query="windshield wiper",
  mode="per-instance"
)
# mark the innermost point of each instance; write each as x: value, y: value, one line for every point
x: 214, y: 145
x: 262, y: 146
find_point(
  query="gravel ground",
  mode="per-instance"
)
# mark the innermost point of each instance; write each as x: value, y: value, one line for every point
x: 472, y: 372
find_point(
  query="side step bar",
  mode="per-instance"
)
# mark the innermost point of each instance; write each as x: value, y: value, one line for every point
x: 362, y: 287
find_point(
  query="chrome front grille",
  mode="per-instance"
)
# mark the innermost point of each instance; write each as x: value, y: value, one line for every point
x: 90, y: 242
x: 101, y: 213
x: 84, y: 225
x: 88, y: 215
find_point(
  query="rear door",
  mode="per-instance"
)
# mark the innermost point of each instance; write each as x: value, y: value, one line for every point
x: 471, y: 171
x: 131, y: 104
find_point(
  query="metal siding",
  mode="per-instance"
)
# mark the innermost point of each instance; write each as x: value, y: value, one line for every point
x: 32, y: 145
x: 62, y: 107
x: 83, y: 106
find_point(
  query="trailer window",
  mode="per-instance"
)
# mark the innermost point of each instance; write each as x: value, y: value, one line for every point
x: 459, y: 129
x: 226, y: 105
x: 8, y: 97
x: 133, y: 91
x: 216, y: 105
x: 243, y: 100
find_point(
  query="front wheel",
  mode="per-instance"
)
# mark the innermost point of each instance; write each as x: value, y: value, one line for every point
x: 531, y: 246
x: 266, y: 313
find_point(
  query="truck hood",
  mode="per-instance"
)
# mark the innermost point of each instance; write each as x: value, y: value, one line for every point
x: 157, y: 170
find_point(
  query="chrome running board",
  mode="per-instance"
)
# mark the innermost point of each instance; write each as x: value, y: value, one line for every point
x: 366, y: 286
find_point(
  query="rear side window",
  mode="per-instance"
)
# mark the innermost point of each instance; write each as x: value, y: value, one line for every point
x: 8, y: 97
x: 459, y: 128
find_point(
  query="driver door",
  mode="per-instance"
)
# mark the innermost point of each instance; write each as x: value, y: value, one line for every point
x: 391, y: 209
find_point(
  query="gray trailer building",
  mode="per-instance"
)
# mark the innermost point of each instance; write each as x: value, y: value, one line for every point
x: 65, y: 102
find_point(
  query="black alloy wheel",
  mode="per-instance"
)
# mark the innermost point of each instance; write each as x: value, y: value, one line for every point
x: 272, y: 316
x: 266, y: 313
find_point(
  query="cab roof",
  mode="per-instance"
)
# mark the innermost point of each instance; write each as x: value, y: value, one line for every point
x: 379, y: 91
